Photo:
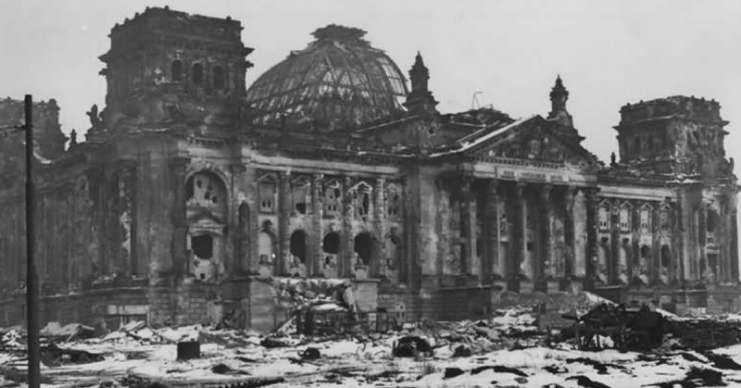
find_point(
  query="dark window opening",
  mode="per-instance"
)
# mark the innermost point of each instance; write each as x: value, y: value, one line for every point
x: 605, y: 240
x: 189, y: 192
x: 637, y: 145
x: 650, y: 145
x: 712, y: 221
x: 626, y: 241
x: 267, y: 197
x: 364, y: 205
x: 393, y: 207
x: 197, y: 74
x: 299, y: 199
x: 298, y: 245
x: 529, y: 247
x: 301, y: 208
x: 479, y: 247
x: 176, y: 71
x: 331, y: 243
x: 645, y: 252
x: 202, y: 246
x: 218, y: 77
x: 665, y: 256
x: 364, y: 247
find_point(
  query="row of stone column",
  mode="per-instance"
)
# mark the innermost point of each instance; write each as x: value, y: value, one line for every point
x: 515, y: 195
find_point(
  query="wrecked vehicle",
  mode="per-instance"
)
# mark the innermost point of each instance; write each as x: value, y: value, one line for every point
x: 626, y: 328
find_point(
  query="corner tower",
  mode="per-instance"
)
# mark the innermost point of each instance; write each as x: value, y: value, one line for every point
x: 679, y: 135
x: 165, y: 63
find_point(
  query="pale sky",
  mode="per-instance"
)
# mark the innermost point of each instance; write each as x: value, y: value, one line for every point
x: 608, y: 52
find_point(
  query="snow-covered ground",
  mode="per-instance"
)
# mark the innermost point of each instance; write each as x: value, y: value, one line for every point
x: 506, y: 351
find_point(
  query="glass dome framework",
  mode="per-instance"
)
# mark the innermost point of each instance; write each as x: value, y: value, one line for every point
x: 339, y: 79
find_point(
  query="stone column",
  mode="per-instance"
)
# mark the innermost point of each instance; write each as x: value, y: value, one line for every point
x: 655, y: 259
x: 236, y: 223
x: 721, y: 267
x: 592, y: 225
x: 379, y: 212
x: 518, y: 236
x: 129, y: 179
x: 613, y: 265
x: 284, y: 219
x: 347, y: 248
x: 544, y: 265
x: 635, y: 251
x: 569, y: 240
x: 253, y: 187
x: 317, y: 234
x: 178, y: 216
x: 676, y: 262
x: 734, y: 266
x: 468, y: 225
x: 491, y: 230
x: 701, y: 242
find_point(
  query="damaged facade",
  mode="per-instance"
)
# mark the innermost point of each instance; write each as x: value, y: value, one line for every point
x: 192, y: 195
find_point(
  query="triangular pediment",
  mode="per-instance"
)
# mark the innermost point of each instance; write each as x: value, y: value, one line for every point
x: 533, y: 139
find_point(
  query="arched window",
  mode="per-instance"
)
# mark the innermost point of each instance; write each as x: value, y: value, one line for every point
x: 637, y: 145
x: 197, y: 74
x: 176, y: 71
x: 364, y: 248
x: 666, y: 256
x: 266, y: 251
x: 219, y: 79
x: 331, y: 243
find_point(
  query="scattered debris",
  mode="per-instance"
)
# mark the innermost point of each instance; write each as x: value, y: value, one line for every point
x: 453, y: 372
x: 189, y: 350
x: 412, y: 346
x: 586, y: 382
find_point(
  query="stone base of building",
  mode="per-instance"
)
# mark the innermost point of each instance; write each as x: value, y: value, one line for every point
x: 254, y: 302
x: 251, y: 302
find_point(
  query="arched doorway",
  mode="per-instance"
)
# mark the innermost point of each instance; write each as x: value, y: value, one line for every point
x: 298, y: 246
x: 363, y: 249
x: 331, y: 248
x: 266, y: 250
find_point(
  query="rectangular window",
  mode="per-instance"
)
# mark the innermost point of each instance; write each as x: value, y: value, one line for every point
x: 604, y: 218
x: 332, y: 200
x: 299, y: 194
x: 645, y: 221
x: 267, y: 197
x: 624, y: 220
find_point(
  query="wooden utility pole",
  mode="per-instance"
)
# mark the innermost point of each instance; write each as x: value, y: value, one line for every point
x: 32, y: 283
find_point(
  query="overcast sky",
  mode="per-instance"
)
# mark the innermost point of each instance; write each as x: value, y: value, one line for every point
x: 608, y: 52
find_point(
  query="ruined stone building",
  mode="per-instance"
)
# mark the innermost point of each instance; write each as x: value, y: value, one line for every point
x: 193, y: 195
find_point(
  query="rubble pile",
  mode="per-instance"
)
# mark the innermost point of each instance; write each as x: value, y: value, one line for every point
x: 510, y: 348
x: 706, y: 333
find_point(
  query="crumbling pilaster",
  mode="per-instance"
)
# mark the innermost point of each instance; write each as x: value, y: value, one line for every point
x: 518, y: 236
x: 379, y: 211
x: 491, y: 223
x: 545, y: 265
x: 569, y: 264
x: 178, y: 217
x: 591, y: 239
x: 284, y: 217
x: 315, y: 238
